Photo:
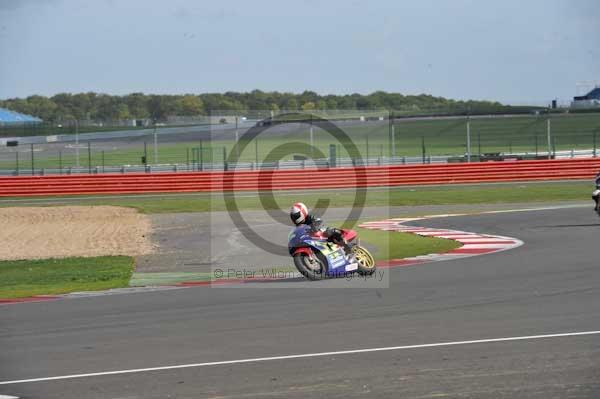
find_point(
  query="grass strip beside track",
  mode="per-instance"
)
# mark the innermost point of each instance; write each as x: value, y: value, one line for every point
x: 25, y: 278
x: 387, y: 245
x: 383, y: 244
x: 438, y: 195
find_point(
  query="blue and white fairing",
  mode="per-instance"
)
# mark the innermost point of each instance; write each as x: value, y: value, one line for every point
x: 336, y: 257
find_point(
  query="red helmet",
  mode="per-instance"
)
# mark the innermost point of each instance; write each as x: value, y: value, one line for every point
x: 298, y: 213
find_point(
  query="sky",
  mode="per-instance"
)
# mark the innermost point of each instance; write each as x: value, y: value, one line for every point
x: 512, y: 51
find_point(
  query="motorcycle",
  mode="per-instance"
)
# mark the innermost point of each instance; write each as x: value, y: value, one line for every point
x: 317, y: 258
x: 596, y: 198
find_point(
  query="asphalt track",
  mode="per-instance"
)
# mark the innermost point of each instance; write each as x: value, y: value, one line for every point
x: 550, y: 285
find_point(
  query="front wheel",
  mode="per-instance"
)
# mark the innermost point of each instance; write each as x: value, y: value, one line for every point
x: 311, y: 267
x: 366, y: 262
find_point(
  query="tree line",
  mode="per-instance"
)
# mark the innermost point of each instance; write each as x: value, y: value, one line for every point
x: 105, y: 107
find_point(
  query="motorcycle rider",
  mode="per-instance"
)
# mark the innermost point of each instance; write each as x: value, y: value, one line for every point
x: 301, y: 215
x: 596, y: 194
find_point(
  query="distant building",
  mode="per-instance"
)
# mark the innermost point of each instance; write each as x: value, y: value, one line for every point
x: 590, y: 100
x: 8, y: 117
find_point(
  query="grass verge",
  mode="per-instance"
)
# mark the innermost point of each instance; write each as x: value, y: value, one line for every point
x: 395, y: 245
x: 411, y: 196
x: 384, y: 245
x: 24, y: 278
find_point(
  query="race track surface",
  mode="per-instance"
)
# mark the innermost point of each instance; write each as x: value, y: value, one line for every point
x: 550, y: 285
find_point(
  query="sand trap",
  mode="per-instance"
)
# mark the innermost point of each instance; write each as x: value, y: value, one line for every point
x: 65, y: 231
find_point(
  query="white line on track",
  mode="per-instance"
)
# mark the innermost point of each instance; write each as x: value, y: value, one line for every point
x: 304, y: 355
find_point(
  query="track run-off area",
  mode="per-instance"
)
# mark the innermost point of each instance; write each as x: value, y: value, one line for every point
x: 517, y: 323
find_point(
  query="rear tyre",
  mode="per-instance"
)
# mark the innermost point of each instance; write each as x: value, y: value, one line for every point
x: 313, y: 268
x: 366, y: 262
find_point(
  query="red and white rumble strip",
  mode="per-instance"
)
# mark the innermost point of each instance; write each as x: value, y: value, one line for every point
x: 472, y: 243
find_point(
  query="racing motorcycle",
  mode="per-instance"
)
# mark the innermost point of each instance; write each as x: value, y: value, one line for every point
x: 317, y: 258
x: 596, y: 198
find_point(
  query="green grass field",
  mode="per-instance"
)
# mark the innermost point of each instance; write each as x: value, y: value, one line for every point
x: 26, y: 278
x: 440, y: 137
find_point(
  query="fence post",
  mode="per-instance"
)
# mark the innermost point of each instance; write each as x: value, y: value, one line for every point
x: 32, y: 161
x: 548, y: 132
x: 390, y: 122
x: 535, y: 137
x: 393, y: 137
x: 77, y: 143
x: 17, y: 162
x: 367, y: 149
x: 60, y: 162
x: 332, y: 155
x: 468, y: 140
x: 237, y: 139
x: 155, y: 144
x: 89, y: 157
x: 187, y: 157
x: 102, y: 161
x: 423, y: 150
x: 256, y: 149
x: 225, y: 167
x: 595, y: 131
x: 478, y: 144
x: 201, y: 157
x: 145, y: 155
x: 312, y: 138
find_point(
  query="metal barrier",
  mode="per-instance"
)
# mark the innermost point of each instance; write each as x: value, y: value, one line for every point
x: 278, y: 179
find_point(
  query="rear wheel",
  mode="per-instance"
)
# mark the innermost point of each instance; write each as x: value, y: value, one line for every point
x: 366, y: 262
x: 311, y: 267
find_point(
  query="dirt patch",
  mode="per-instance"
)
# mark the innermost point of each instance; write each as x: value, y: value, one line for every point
x: 66, y: 231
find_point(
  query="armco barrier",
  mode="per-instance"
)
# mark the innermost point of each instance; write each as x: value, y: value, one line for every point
x: 300, y: 179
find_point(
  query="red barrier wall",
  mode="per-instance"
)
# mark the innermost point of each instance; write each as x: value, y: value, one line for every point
x: 371, y: 176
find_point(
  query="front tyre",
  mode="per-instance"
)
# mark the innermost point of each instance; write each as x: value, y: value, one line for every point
x: 366, y: 262
x: 311, y: 267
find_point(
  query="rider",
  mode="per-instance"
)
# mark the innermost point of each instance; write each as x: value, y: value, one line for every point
x: 596, y: 193
x: 300, y: 215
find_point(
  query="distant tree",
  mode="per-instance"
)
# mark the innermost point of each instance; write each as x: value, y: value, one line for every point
x: 41, y: 107
x: 331, y: 103
x: 122, y: 112
x: 138, y: 105
x: 159, y: 107
x: 190, y: 105
x: 291, y: 105
x: 308, y: 106
x: 104, y: 107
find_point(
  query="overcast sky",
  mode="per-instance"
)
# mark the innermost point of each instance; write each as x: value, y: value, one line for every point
x: 514, y: 51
